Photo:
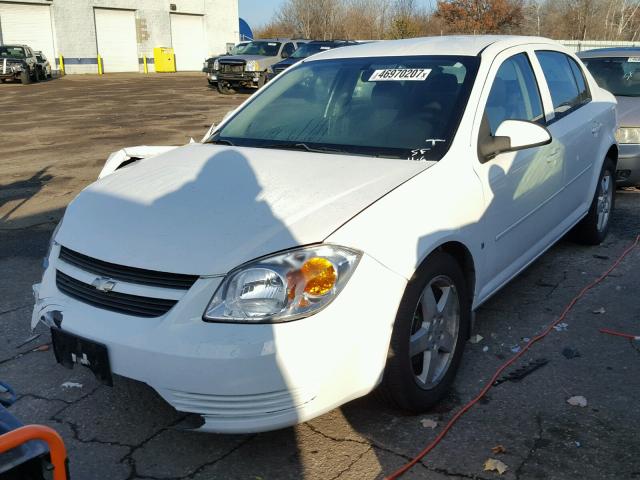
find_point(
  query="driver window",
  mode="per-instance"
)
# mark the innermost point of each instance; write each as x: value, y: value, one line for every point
x: 514, y: 94
x: 288, y: 49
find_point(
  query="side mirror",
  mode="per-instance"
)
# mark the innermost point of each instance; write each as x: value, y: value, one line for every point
x: 513, y: 135
x: 284, y: 55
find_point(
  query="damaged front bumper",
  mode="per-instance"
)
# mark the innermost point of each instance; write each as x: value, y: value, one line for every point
x: 239, y: 377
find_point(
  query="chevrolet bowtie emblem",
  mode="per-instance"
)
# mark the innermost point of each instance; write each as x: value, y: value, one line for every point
x: 103, y: 284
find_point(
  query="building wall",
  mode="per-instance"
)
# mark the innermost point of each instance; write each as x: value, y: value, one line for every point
x: 75, y: 34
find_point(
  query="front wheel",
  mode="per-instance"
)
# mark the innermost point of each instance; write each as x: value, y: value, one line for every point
x: 25, y: 78
x: 593, y: 228
x: 225, y: 89
x: 430, y: 330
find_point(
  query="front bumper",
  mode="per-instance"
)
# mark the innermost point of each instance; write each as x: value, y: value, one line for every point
x: 628, y: 167
x: 244, y: 378
x: 244, y: 77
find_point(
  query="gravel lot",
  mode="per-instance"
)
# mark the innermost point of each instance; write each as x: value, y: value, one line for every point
x: 56, y: 136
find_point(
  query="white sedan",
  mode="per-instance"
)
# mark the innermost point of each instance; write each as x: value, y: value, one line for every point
x: 335, y: 233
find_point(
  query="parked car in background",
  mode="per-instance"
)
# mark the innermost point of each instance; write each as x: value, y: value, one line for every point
x: 618, y: 70
x: 294, y: 261
x: 305, y: 50
x: 18, y: 62
x: 43, y: 65
x: 210, y: 66
x: 249, y: 69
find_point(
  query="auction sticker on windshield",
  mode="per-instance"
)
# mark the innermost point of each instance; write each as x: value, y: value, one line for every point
x: 634, y: 60
x: 400, y: 74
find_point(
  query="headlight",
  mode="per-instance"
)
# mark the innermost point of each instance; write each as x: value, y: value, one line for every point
x: 45, y: 261
x: 628, y: 135
x: 252, y: 66
x: 216, y: 65
x: 283, y: 287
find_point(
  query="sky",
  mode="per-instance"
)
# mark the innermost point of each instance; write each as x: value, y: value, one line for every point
x: 259, y: 12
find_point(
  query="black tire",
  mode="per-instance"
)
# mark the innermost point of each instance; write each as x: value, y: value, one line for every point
x: 590, y: 231
x: 262, y: 80
x: 400, y: 386
x: 37, y: 75
x: 225, y: 89
x: 25, y: 77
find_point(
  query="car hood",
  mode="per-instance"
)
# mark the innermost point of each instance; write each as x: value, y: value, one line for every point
x: 204, y: 209
x: 628, y: 111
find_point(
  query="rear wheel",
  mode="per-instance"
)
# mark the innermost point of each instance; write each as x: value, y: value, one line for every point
x: 593, y: 228
x: 431, y: 327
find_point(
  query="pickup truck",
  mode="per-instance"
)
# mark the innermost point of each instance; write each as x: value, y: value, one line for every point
x: 18, y: 62
x: 249, y: 70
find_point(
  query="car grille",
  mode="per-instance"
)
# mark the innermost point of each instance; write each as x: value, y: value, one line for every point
x: 231, y: 68
x: 115, y: 301
x: 127, y: 274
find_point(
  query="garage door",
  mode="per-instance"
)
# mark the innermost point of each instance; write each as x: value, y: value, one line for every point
x: 117, y: 44
x: 29, y: 25
x: 187, y: 38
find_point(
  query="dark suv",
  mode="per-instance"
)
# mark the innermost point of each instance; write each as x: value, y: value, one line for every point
x: 18, y: 62
x: 306, y: 50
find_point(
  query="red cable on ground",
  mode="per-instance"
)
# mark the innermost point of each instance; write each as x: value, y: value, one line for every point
x: 508, y: 363
x: 619, y: 334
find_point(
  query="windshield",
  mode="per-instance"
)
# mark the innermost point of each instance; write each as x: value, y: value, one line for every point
x: 267, y: 49
x: 619, y: 75
x: 308, y: 49
x: 401, y: 107
x: 12, y: 52
x: 238, y: 49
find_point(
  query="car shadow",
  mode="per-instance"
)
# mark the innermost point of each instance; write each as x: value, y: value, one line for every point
x: 21, y: 191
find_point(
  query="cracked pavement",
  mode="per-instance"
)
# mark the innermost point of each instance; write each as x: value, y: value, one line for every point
x: 129, y: 432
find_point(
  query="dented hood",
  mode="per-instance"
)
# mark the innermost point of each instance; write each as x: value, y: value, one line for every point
x: 204, y: 209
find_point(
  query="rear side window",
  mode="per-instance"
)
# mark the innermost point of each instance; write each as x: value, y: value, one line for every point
x: 566, y: 82
x: 514, y: 94
x: 288, y: 49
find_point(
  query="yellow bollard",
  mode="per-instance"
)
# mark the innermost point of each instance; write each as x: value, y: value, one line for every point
x: 61, y: 65
x: 99, y: 65
x: 144, y: 61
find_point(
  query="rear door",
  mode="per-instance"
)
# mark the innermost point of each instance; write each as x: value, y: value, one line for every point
x: 575, y: 124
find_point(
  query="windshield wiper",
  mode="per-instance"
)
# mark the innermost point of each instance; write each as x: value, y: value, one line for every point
x: 222, y: 142
x: 301, y: 146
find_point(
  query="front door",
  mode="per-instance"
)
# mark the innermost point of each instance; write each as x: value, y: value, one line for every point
x: 518, y: 186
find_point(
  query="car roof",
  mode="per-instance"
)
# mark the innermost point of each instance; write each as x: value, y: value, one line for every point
x: 462, y: 45
x: 610, y: 52
x: 15, y: 45
x: 274, y: 40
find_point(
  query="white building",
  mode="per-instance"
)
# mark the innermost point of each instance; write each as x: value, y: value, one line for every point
x: 120, y: 31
